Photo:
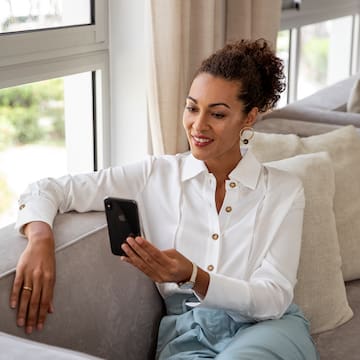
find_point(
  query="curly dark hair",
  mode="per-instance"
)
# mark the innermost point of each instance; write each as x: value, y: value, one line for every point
x: 254, y: 64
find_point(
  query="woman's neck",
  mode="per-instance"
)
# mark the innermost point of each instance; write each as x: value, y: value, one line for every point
x: 221, y: 170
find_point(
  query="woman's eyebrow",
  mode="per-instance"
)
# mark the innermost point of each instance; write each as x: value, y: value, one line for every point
x: 192, y: 99
x: 211, y: 105
x: 217, y: 104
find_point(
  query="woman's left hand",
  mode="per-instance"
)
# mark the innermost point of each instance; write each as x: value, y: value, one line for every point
x: 160, y: 266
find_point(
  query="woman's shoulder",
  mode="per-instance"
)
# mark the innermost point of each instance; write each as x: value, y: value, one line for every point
x: 170, y: 160
x: 167, y: 165
x: 158, y: 160
x: 284, y: 186
x: 282, y: 177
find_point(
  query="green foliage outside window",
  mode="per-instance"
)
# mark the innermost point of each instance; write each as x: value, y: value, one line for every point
x: 6, y: 197
x: 316, y: 52
x: 32, y: 113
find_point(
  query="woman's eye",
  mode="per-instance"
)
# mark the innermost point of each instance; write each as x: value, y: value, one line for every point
x: 218, y: 115
x: 190, y: 108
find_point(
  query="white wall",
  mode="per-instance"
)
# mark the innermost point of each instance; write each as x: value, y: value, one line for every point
x: 127, y: 81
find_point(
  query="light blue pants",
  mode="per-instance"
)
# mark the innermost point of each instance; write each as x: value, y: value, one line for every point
x: 203, y: 333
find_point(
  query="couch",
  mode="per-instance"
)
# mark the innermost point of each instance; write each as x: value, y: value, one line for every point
x: 323, y: 111
x: 103, y: 306
x: 106, y: 309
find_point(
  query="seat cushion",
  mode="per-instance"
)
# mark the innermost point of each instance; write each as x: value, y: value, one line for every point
x: 343, y: 342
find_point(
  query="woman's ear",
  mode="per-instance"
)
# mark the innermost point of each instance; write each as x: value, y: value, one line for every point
x: 251, y: 117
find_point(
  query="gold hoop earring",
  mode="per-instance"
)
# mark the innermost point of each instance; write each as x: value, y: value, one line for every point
x: 245, y: 140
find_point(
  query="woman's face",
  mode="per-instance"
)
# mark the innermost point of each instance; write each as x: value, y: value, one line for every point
x: 213, y: 118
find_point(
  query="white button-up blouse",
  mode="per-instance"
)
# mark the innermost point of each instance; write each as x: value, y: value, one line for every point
x: 251, y: 248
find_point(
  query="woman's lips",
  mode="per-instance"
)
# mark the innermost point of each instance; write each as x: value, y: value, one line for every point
x: 201, y: 141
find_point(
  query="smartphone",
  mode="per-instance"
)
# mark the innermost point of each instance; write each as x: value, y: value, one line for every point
x: 122, y: 216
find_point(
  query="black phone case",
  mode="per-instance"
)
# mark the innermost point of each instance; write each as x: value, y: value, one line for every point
x: 122, y: 217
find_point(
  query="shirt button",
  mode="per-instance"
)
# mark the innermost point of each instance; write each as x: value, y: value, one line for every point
x: 21, y: 206
x: 228, y: 209
x: 232, y: 184
x: 210, y: 267
x: 215, y: 236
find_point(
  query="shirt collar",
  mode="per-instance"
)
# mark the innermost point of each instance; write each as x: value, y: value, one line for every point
x: 192, y: 167
x: 247, y: 171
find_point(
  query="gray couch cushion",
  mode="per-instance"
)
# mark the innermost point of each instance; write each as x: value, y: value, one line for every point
x: 16, y: 348
x: 314, y: 115
x: 103, y: 306
x: 333, y: 97
x: 343, y: 342
x: 291, y: 126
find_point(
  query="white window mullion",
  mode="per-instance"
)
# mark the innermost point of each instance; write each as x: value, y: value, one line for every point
x: 294, y: 55
x: 355, y: 62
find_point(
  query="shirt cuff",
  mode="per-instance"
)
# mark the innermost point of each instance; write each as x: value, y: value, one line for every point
x: 227, y: 293
x: 36, y: 209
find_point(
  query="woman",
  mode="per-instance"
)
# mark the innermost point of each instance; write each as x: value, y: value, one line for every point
x: 223, y: 244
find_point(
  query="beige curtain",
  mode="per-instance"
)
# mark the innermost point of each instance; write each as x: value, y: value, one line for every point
x: 181, y: 33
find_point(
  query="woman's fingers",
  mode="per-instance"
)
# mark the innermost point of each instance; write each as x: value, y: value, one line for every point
x: 146, y: 251
x: 142, y: 259
x: 16, y: 289
x: 46, y: 305
x: 137, y: 260
x: 35, y: 302
x: 32, y: 306
x: 160, y: 266
x: 24, y: 300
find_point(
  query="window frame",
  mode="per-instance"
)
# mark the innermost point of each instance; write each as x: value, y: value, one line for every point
x: 314, y: 11
x: 311, y: 12
x: 38, y: 55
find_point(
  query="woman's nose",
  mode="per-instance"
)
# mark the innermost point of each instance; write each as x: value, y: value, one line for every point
x: 200, y: 123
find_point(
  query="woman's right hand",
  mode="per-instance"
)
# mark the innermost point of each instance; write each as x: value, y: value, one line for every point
x: 33, y: 286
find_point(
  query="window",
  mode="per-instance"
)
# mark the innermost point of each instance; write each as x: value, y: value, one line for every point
x: 20, y: 15
x: 53, y: 93
x: 318, y: 42
x: 41, y: 125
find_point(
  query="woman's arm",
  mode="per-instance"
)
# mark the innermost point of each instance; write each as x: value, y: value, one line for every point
x: 33, y: 286
x: 39, y: 205
x: 43, y: 199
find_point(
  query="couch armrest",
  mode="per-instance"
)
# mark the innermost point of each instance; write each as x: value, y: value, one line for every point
x: 331, y: 98
x: 314, y: 115
x: 103, y: 306
x: 291, y: 126
x: 323, y: 111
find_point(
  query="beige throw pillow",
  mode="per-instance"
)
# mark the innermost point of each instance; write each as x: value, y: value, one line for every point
x: 320, y: 291
x: 353, y: 104
x: 343, y: 146
x: 271, y: 147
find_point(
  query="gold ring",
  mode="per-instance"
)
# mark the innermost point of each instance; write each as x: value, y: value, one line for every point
x: 27, y: 288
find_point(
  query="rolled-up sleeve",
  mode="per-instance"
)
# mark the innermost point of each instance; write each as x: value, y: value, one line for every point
x: 82, y: 192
